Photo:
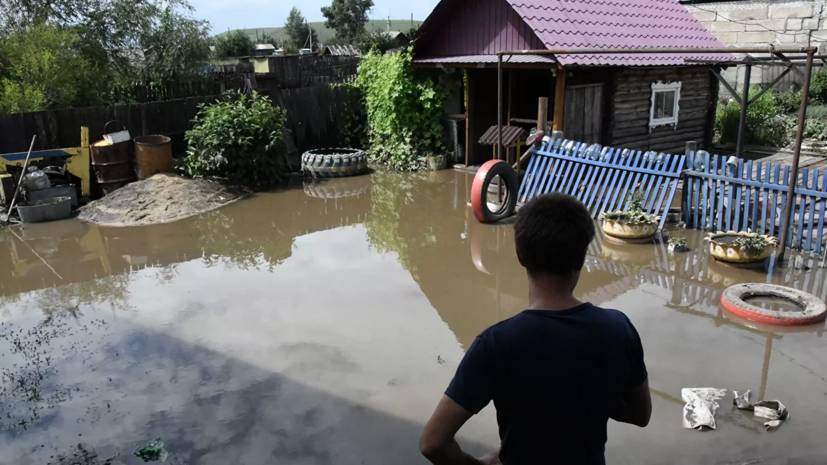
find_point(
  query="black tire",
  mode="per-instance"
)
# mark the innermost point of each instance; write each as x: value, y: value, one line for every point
x: 480, y: 186
x: 334, y: 163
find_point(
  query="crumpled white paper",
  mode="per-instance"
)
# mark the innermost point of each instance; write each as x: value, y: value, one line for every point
x: 700, y: 408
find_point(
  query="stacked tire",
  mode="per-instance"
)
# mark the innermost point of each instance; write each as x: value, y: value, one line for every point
x: 335, y: 162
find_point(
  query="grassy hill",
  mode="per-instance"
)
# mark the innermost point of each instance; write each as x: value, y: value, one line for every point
x: 326, y: 34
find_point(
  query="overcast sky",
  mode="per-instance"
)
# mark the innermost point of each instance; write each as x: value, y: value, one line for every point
x: 242, y: 14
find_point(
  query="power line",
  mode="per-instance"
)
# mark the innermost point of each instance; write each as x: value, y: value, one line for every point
x: 746, y: 23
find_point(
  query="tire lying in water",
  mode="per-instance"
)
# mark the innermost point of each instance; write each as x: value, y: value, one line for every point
x: 735, y: 300
x: 334, y: 163
x: 480, y: 190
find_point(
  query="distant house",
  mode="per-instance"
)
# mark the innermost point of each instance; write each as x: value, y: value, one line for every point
x: 264, y: 50
x: 342, y: 51
x: 399, y: 39
x: 647, y: 102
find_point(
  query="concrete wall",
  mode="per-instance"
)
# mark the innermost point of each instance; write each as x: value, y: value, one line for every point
x: 763, y: 22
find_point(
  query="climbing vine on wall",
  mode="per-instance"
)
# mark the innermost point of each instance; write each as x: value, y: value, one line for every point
x: 404, y: 110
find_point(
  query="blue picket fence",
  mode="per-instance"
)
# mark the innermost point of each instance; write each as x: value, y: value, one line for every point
x: 731, y: 194
x: 603, y: 178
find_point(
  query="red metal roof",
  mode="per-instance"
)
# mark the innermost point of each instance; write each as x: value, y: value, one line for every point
x: 616, y: 24
x: 483, y: 27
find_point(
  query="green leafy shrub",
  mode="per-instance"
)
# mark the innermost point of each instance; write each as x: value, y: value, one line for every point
x: 818, y: 87
x: 404, y: 110
x: 788, y: 101
x: 766, y: 123
x: 814, y: 128
x: 240, y: 138
x: 817, y: 111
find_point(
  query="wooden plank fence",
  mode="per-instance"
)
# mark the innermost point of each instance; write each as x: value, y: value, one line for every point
x: 731, y: 194
x: 603, y: 178
x: 317, y: 117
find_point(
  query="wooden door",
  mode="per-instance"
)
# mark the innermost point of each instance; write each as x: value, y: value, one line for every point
x: 584, y: 113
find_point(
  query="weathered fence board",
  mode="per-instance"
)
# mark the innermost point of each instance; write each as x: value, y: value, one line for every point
x: 603, y: 178
x: 316, y: 117
x: 727, y: 194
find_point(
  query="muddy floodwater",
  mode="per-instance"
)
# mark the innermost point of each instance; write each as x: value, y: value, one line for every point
x: 320, y: 324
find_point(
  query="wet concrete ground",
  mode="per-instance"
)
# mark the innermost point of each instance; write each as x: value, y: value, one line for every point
x: 320, y: 326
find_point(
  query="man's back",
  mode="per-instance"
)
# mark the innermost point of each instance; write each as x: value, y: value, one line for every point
x: 555, y: 375
x: 555, y: 378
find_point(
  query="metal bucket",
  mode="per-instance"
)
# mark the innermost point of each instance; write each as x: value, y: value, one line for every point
x: 153, y: 155
x: 113, y: 165
x: 57, y: 208
x: 56, y: 191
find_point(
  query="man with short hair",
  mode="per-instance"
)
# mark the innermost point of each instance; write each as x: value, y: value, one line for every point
x: 556, y: 372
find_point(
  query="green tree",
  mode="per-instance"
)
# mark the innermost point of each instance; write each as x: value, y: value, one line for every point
x: 233, y: 44
x: 124, y: 42
x: 266, y: 38
x: 298, y: 31
x: 347, y: 18
x: 44, y: 68
x: 174, y: 50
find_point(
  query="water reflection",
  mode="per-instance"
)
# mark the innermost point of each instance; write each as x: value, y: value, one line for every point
x: 318, y: 324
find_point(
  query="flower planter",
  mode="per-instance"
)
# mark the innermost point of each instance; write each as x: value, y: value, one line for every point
x: 619, y: 229
x: 723, y: 248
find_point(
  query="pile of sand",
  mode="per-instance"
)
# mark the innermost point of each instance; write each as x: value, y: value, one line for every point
x: 163, y: 198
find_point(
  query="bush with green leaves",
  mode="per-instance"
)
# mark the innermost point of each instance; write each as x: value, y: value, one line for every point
x: 766, y: 123
x: 788, y: 101
x: 404, y: 110
x: 818, y: 86
x: 817, y: 111
x: 240, y: 138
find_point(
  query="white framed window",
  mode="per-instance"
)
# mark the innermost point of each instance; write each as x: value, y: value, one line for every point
x: 665, y: 105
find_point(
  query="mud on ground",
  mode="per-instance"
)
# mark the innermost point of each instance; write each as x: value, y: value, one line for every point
x: 163, y: 198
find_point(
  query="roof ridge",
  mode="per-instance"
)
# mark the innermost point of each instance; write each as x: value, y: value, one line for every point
x: 615, y: 23
x: 664, y: 5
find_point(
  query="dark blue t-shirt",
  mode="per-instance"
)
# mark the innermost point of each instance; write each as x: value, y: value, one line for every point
x: 554, y: 377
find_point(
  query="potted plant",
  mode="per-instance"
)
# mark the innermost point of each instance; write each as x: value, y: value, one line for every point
x: 678, y: 245
x: 741, y: 247
x: 634, y: 225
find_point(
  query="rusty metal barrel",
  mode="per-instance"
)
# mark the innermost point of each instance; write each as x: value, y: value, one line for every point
x: 153, y: 155
x: 112, y: 165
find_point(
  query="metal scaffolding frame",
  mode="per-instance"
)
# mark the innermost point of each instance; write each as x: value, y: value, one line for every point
x: 775, y: 54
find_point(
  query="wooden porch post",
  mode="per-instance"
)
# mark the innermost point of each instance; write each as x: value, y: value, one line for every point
x: 559, y: 100
x: 468, y: 114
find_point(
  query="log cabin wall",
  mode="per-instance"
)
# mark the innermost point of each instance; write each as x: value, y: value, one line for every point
x: 630, y: 96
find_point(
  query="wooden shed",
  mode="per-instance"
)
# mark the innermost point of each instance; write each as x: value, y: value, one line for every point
x: 647, y: 102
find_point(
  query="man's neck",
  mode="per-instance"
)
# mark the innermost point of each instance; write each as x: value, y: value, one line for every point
x: 551, y: 293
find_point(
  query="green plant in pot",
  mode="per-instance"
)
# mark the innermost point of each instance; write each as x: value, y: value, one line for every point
x: 634, y: 224
x: 678, y: 245
x: 741, y: 247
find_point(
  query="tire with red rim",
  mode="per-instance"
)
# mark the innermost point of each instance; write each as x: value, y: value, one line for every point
x: 734, y: 301
x: 479, y: 191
